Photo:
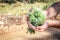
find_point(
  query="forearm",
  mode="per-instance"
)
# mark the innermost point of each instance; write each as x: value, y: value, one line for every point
x: 53, y: 23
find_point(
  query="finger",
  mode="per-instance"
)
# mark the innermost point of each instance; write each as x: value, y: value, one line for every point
x: 41, y: 29
x: 38, y: 28
x: 31, y: 26
x: 44, y: 29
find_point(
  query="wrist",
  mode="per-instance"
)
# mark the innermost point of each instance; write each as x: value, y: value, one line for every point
x: 46, y: 23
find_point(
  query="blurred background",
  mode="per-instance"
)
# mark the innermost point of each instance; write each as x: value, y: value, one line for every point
x: 13, y: 20
x: 22, y: 6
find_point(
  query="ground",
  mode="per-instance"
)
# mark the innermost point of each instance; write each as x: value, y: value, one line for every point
x: 15, y: 30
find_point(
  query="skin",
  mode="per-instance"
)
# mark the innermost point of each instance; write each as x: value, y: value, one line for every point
x: 48, y: 23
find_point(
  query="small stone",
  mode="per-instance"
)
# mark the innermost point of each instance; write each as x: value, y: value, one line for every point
x: 1, y: 27
x: 1, y: 22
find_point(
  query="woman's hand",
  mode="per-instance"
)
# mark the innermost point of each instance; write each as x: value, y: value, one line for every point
x: 42, y: 28
x: 29, y: 24
x: 39, y: 28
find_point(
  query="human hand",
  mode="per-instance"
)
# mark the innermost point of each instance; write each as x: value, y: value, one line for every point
x: 42, y: 28
x: 31, y: 26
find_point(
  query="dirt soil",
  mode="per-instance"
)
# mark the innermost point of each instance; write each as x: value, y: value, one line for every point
x: 15, y: 28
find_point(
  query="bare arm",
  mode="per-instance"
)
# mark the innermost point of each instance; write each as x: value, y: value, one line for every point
x: 53, y: 23
x: 49, y: 23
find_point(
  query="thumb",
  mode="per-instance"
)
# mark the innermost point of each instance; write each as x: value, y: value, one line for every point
x: 38, y: 28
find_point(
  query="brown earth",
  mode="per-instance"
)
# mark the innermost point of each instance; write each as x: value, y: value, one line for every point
x: 12, y: 30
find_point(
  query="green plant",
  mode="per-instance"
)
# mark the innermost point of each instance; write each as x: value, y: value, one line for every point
x: 36, y: 18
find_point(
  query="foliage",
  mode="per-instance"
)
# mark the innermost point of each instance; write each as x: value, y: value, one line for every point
x: 36, y: 17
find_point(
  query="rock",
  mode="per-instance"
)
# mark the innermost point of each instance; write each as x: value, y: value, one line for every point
x: 2, y: 23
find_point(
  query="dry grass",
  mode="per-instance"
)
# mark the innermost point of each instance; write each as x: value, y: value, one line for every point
x: 17, y: 30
